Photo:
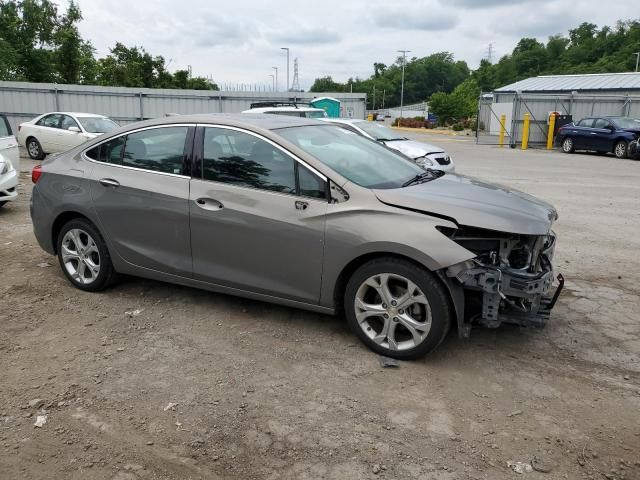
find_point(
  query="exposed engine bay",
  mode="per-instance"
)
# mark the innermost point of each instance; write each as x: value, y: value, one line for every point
x: 509, y: 280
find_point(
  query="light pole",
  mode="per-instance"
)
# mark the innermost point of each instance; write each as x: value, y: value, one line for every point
x: 276, y: 69
x: 404, y: 60
x: 287, y: 49
x: 637, y: 54
x: 273, y: 81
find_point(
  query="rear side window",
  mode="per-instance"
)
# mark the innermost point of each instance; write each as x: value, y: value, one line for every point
x: 108, y: 152
x: 156, y: 149
x: 601, y: 123
x: 5, y: 128
x: 585, y: 122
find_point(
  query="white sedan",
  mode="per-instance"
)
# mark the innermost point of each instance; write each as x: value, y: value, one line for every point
x: 61, y: 131
x: 9, y: 163
x: 423, y: 154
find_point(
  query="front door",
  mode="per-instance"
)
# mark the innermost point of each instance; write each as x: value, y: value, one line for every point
x: 140, y: 194
x: 8, y: 143
x: 604, y: 134
x: 257, y: 217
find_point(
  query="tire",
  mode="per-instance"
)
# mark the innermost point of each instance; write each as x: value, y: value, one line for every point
x: 568, y: 145
x: 621, y: 149
x: 84, y: 257
x: 34, y: 149
x: 2, y: 204
x: 384, y: 327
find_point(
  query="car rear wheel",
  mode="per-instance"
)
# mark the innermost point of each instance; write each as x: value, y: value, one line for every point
x: 397, y: 308
x: 84, y: 257
x: 567, y: 145
x: 34, y: 149
x: 620, y: 149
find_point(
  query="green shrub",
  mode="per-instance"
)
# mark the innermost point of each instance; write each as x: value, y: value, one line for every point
x: 458, y: 127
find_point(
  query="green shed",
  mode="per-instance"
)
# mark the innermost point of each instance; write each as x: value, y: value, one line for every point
x: 328, y: 104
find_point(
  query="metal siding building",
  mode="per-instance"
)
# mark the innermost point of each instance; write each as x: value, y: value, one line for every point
x: 22, y: 101
x: 576, y: 95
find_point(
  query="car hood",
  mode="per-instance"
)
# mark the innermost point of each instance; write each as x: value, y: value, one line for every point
x: 413, y: 149
x: 474, y: 203
x: 632, y: 130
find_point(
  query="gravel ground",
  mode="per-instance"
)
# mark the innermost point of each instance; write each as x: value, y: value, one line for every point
x: 153, y: 381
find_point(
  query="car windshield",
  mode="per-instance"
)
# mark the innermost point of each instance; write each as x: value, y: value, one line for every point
x: 97, y: 124
x: 379, y: 132
x: 626, y: 122
x: 316, y: 114
x: 353, y: 156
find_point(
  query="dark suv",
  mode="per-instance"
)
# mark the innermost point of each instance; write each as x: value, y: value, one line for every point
x: 600, y: 134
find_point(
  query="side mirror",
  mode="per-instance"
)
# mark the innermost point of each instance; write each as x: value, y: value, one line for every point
x: 74, y: 129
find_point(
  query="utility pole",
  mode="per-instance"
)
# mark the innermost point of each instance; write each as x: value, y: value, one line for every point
x: 404, y: 61
x: 384, y: 90
x: 287, y: 49
x: 276, y: 87
x: 637, y: 54
x: 374, y: 97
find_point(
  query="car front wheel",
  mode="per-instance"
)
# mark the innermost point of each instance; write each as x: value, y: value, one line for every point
x: 620, y: 149
x: 34, y: 149
x: 567, y: 145
x: 84, y: 257
x: 397, y: 309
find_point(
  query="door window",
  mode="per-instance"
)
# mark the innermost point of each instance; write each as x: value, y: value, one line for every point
x: 230, y: 156
x: 67, y: 122
x: 585, y: 122
x: 108, y: 152
x: 156, y: 149
x: 310, y: 184
x: 601, y: 123
x: 51, y: 121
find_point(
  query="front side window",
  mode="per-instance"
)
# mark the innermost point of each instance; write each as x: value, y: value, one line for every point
x: 310, y: 184
x: 51, y: 121
x: 68, y: 122
x: 601, y: 123
x: 156, y: 149
x: 234, y: 157
x: 356, y: 158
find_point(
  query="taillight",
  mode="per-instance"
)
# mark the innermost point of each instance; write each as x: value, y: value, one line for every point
x: 35, y: 173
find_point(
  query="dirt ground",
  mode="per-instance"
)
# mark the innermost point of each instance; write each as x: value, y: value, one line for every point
x: 194, y: 385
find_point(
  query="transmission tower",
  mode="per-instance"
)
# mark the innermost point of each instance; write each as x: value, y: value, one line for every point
x: 295, y: 85
x: 490, y: 53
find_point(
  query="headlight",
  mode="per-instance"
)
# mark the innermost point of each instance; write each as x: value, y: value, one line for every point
x: 5, y: 167
x: 424, y: 162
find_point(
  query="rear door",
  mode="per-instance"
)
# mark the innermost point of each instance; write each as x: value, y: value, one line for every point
x: 257, y: 216
x: 46, y: 132
x: 8, y: 143
x: 140, y: 191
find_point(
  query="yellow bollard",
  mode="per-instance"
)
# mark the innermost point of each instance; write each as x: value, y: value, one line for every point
x: 503, y: 120
x: 552, y: 125
x: 370, y: 117
x: 525, y: 131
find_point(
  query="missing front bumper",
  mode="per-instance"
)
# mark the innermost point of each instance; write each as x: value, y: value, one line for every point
x: 501, y: 295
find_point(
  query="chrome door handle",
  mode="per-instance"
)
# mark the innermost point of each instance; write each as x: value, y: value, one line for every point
x: 209, y: 204
x: 301, y: 205
x: 109, y: 182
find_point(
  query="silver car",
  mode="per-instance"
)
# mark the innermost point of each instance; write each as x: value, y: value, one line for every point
x: 302, y: 213
x: 423, y: 154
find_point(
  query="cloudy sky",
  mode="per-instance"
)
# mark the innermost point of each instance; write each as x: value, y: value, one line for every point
x: 239, y: 41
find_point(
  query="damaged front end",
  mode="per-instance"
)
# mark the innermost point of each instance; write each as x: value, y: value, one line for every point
x: 509, y: 281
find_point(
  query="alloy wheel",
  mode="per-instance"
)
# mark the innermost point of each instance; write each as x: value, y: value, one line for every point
x: 33, y: 149
x: 80, y: 256
x: 567, y: 145
x: 621, y: 150
x: 392, y: 311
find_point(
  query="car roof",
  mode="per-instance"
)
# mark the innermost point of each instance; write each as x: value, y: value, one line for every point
x: 77, y: 114
x: 263, y: 121
x: 344, y: 120
x: 283, y: 109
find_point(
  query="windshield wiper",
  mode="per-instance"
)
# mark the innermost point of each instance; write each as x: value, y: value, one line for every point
x: 395, y: 139
x: 424, y: 177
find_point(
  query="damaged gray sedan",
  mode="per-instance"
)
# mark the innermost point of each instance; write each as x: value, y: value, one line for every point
x: 300, y: 213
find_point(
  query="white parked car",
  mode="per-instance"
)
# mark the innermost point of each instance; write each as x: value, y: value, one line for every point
x: 61, y: 131
x: 9, y: 163
x: 423, y: 154
x: 283, y: 108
